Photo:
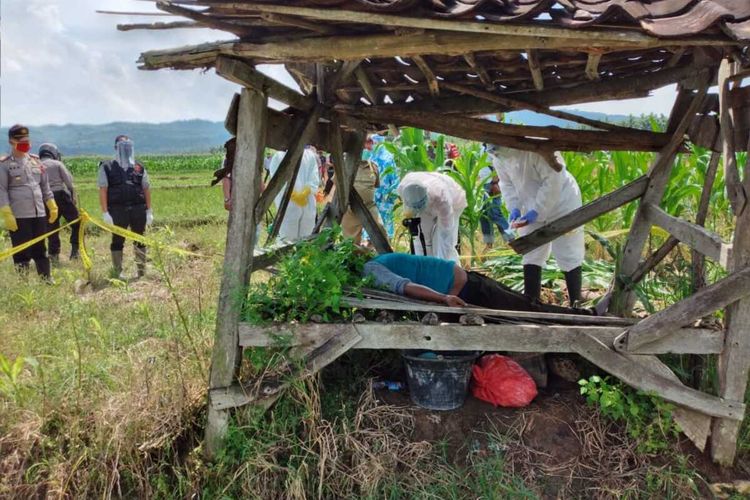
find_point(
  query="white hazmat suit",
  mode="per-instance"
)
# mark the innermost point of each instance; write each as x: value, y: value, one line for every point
x: 299, y: 219
x: 528, y: 182
x: 446, y: 200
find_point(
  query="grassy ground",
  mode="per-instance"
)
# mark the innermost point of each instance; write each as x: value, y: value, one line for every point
x: 109, y: 398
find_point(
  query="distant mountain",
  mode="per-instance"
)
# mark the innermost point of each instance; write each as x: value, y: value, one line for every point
x: 190, y: 136
x: 196, y: 136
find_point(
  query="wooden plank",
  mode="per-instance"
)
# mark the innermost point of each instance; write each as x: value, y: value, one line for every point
x: 516, y: 104
x: 342, y: 75
x: 205, y: 20
x: 645, y: 379
x: 693, y: 235
x: 340, y: 174
x: 697, y: 259
x: 304, y: 130
x: 296, y: 22
x: 735, y: 192
x: 695, y: 425
x: 603, y: 35
x: 246, y: 75
x: 238, y: 257
x: 367, y: 87
x: 535, y: 69
x: 375, y: 231
x: 488, y: 337
x: 230, y: 122
x: 159, y: 26
x: 498, y: 313
x: 652, y: 261
x: 622, y: 298
x: 592, y: 65
x: 580, y: 216
x: 484, y: 77
x: 432, y: 82
x: 734, y: 362
x: 704, y: 302
x: 258, y: 391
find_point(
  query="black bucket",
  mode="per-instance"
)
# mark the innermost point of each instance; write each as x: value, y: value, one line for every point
x: 441, y: 383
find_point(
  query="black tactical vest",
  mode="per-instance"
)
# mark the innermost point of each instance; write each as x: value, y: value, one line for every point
x: 125, y: 187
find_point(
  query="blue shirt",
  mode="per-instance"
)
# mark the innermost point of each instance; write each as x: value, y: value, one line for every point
x: 428, y: 271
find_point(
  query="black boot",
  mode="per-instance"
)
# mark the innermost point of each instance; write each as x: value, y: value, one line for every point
x: 532, y: 281
x: 574, y: 280
x: 43, y: 269
x: 74, y: 253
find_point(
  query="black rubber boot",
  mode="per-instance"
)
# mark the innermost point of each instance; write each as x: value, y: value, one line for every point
x: 532, y: 281
x: 43, y: 268
x: 140, y: 261
x: 74, y: 253
x: 574, y: 281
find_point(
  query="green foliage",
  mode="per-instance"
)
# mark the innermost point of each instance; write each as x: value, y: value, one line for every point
x: 10, y: 373
x: 648, y: 417
x: 310, y: 281
x: 411, y: 151
x: 155, y: 164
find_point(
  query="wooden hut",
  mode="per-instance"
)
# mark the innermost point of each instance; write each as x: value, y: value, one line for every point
x: 443, y: 64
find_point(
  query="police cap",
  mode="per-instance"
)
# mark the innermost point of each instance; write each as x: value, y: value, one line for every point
x: 18, y: 132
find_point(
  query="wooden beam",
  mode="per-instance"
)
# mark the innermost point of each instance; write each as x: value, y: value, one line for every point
x: 340, y: 174
x: 697, y: 260
x: 640, y: 377
x: 159, y: 26
x: 652, y: 261
x: 238, y: 259
x: 597, y: 35
x: 693, y: 235
x: 704, y: 302
x: 342, y: 75
x: 535, y: 69
x: 514, y: 136
x: 623, y: 299
x: 246, y: 75
x: 592, y: 65
x: 374, y: 230
x: 230, y: 122
x: 488, y: 337
x: 364, y: 82
x: 296, y: 22
x: 515, y: 104
x: 734, y: 362
x: 432, y: 82
x: 735, y: 192
x: 351, y: 47
x: 484, y: 77
x: 304, y: 131
x: 530, y: 316
x: 580, y: 216
x: 202, y: 18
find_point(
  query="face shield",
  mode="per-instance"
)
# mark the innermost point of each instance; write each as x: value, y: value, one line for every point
x: 125, y: 153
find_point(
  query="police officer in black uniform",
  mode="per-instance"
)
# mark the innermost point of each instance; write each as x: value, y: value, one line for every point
x: 125, y: 200
x: 61, y: 184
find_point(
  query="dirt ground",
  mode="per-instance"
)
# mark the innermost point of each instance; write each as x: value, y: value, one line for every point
x: 558, y: 444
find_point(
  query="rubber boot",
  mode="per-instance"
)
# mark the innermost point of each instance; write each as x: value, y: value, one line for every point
x: 74, y: 253
x: 43, y: 269
x: 117, y: 264
x: 140, y: 261
x: 532, y: 281
x: 574, y: 280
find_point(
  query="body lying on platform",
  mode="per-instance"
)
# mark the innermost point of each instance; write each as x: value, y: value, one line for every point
x: 443, y: 282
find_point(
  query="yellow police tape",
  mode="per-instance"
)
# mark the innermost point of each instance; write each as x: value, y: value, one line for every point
x: 84, y: 219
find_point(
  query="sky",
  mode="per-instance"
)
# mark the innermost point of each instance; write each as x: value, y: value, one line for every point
x: 61, y: 62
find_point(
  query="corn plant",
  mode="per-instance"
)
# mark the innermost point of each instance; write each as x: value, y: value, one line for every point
x: 411, y: 153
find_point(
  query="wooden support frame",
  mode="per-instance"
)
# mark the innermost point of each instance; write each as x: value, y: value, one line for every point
x: 238, y: 260
x: 432, y: 82
x: 693, y: 235
x: 623, y: 298
x: 580, y: 216
x: 535, y: 69
x: 374, y: 230
x: 735, y: 191
x: 484, y: 77
x: 592, y: 65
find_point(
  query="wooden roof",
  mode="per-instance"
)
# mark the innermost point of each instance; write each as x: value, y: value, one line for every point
x: 378, y: 59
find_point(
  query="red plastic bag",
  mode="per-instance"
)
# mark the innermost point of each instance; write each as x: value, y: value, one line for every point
x: 501, y: 381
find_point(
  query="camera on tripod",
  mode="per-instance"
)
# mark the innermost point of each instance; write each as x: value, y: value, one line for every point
x: 412, y: 224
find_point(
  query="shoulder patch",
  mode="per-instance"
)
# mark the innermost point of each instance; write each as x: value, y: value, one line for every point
x: 4, y: 157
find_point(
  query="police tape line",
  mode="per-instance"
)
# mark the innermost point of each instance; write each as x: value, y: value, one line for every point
x: 84, y: 219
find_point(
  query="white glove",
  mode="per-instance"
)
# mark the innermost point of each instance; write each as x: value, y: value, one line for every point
x: 108, y: 218
x: 149, y: 217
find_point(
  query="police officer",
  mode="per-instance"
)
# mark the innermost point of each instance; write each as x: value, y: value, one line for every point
x: 24, y: 191
x: 125, y: 200
x: 61, y: 184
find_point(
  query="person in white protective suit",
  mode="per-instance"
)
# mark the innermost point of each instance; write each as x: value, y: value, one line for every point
x: 536, y: 194
x: 299, y: 219
x: 438, y: 201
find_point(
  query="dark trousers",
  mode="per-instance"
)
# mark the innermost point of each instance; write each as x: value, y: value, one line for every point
x: 68, y: 210
x: 28, y: 229
x: 131, y: 217
x: 485, y: 292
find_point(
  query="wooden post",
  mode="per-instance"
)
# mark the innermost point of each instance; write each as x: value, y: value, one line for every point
x: 238, y: 260
x: 737, y: 196
x: 623, y: 299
